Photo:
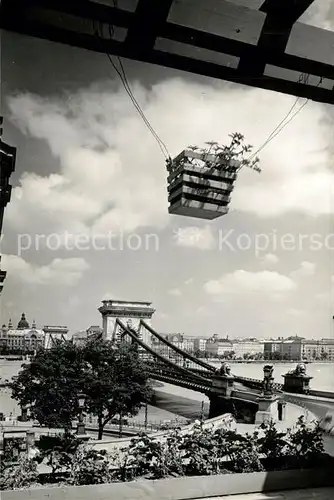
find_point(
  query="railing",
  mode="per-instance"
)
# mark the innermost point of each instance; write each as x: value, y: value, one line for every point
x: 321, y: 394
x: 152, y: 425
x: 186, y: 382
x: 256, y: 383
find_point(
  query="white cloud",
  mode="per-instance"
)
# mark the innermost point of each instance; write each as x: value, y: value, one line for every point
x: 306, y: 269
x: 298, y: 313
x: 59, y: 272
x: 162, y: 315
x: 323, y: 297
x: 175, y: 291
x: 189, y: 281
x: 203, y: 311
x: 108, y: 296
x: 74, y: 301
x: 195, y: 237
x: 240, y: 281
x: 320, y: 14
x: 112, y: 175
x: 270, y: 258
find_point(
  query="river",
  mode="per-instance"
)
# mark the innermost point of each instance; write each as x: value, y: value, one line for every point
x: 188, y: 403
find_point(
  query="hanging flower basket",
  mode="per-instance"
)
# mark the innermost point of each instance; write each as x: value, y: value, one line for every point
x: 200, y: 181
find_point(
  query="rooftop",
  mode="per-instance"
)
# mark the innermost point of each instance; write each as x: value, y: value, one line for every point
x: 126, y: 302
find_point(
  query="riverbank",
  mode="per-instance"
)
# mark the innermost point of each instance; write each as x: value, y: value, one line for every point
x: 262, y: 361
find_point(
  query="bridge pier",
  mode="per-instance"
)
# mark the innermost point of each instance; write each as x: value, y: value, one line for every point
x: 242, y: 411
x: 268, y: 410
x: 220, y: 405
x: 222, y: 400
x: 297, y: 380
x: 222, y: 388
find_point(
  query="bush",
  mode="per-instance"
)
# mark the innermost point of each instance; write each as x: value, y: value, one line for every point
x: 57, y: 452
x: 199, y: 452
x: 89, y: 466
x: 305, y: 443
x: 147, y: 457
x: 272, y: 445
x: 204, y: 451
x: 243, y: 453
x: 19, y: 475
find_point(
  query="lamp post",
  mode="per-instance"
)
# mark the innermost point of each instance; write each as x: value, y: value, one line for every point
x: 146, y: 416
x: 268, y: 380
x: 202, y: 412
x: 81, y: 403
x: 267, y: 409
x: 24, y: 413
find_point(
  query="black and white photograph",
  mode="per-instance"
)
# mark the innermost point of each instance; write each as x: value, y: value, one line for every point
x: 166, y: 249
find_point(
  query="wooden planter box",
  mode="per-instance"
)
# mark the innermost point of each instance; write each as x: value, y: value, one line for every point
x: 203, y: 193
x: 185, y: 488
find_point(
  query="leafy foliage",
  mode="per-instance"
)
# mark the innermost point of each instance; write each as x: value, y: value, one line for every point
x: 203, y: 451
x: 114, y: 381
x: 49, y: 385
x: 19, y: 475
x: 305, y: 442
x: 272, y: 444
x: 57, y: 452
x: 236, y: 151
x: 199, y: 452
x: 154, y: 459
x: 243, y: 453
x: 89, y: 466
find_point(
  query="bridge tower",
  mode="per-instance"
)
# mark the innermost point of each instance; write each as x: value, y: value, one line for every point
x: 129, y: 313
x: 53, y: 334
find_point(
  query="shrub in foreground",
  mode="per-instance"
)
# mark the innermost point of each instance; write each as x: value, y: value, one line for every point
x: 199, y: 452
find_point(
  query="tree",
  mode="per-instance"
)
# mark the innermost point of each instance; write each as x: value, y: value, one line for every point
x: 276, y: 356
x: 113, y: 379
x: 115, y: 382
x: 50, y: 384
x: 259, y: 356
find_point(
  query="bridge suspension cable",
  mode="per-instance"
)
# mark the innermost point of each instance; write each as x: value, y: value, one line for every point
x: 180, y: 352
x: 188, y: 374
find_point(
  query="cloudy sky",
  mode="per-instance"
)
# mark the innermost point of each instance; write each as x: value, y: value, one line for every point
x: 89, y: 215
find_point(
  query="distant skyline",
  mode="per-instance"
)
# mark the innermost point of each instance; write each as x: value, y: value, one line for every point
x: 89, y: 175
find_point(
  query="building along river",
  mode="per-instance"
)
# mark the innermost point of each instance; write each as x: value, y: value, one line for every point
x: 187, y: 403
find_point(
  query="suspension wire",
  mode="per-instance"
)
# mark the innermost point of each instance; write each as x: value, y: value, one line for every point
x: 278, y: 129
x: 127, y: 87
x: 300, y: 79
x: 286, y: 120
x: 122, y: 75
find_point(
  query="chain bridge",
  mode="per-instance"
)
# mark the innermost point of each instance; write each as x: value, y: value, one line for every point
x: 168, y: 363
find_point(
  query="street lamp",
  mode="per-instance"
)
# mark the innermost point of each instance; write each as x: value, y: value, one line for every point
x: 81, y: 403
x: 268, y: 380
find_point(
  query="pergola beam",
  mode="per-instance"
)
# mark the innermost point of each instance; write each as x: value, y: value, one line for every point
x: 153, y: 16
x: 258, y: 39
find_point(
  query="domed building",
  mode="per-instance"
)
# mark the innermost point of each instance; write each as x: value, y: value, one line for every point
x: 23, y: 323
x: 23, y: 337
x: 26, y: 338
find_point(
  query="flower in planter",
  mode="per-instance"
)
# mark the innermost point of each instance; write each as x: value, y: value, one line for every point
x: 204, y: 178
